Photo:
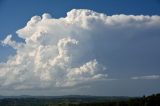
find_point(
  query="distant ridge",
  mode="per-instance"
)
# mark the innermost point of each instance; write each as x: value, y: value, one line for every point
x: 70, y: 97
x: 80, y: 100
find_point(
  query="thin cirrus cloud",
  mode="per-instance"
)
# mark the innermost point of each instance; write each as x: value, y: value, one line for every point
x: 59, y: 53
x: 149, y: 77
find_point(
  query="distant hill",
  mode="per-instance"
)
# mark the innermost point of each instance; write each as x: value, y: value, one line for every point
x: 69, y: 97
x: 79, y: 100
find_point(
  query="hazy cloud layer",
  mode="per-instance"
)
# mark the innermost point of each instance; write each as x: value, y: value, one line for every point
x: 62, y: 52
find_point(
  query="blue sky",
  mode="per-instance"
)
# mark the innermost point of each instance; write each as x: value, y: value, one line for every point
x: 137, y: 57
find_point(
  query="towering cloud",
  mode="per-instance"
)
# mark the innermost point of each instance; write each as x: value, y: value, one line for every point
x: 63, y: 52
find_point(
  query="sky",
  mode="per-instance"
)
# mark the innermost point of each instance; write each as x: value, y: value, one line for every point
x: 79, y: 47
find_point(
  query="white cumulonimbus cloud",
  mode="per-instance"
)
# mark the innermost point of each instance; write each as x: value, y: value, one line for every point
x: 61, y: 52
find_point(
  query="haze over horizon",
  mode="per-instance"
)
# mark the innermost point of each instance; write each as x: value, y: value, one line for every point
x: 105, y: 48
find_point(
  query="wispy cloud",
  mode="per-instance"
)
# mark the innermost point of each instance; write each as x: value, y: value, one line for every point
x: 148, y: 77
